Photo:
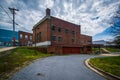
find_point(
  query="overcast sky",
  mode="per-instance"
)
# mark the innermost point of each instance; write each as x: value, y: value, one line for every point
x: 93, y: 15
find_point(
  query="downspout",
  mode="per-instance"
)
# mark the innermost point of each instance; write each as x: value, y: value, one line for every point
x: 49, y: 27
x: 35, y: 38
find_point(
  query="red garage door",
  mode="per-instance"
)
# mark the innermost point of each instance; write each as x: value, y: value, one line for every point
x: 69, y: 50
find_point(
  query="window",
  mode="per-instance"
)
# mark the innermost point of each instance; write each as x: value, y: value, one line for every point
x: 59, y: 39
x: 59, y: 29
x: 39, y: 36
x: 73, y: 32
x: 30, y: 37
x: 66, y: 30
x: 73, y: 40
x: 26, y: 36
x: 53, y: 38
x: 20, y: 36
x: 53, y: 28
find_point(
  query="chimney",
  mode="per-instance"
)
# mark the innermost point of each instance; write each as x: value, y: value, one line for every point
x: 47, y: 12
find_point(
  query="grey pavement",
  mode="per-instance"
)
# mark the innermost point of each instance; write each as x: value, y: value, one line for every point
x: 69, y: 67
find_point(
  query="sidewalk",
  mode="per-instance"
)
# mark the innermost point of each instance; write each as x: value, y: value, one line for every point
x: 7, y: 50
x: 112, y: 54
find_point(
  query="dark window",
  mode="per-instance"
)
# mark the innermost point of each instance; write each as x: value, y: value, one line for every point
x: 59, y: 39
x: 73, y: 32
x: 73, y: 40
x: 66, y: 30
x: 53, y: 38
x: 59, y: 29
x: 39, y: 36
x: 53, y: 28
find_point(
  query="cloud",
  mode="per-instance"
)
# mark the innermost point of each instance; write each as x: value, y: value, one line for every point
x: 92, y: 15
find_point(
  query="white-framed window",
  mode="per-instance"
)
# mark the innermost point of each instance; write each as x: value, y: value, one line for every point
x: 26, y: 36
x: 30, y: 37
x: 21, y: 36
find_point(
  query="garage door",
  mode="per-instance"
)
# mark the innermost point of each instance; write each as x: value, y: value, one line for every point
x: 69, y: 50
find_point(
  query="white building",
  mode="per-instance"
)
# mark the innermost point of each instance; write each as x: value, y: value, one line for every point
x: 100, y: 42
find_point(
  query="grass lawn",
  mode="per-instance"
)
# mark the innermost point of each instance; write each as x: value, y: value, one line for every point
x: 109, y: 49
x: 113, y: 49
x: 108, y: 64
x: 95, y: 49
x: 20, y: 57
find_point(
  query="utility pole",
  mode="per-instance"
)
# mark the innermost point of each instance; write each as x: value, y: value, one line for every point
x: 13, y: 12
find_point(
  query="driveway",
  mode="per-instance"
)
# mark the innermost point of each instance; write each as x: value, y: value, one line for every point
x: 69, y: 67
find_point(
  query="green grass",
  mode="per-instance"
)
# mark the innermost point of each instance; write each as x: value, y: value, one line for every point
x: 109, y: 49
x: 108, y: 64
x: 113, y: 49
x: 17, y: 58
x: 95, y: 49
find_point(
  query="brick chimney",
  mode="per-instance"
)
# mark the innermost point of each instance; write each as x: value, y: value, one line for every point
x: 47, y: 12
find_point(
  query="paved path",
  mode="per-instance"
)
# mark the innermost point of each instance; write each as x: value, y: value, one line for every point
x: 58, y: 68
x: 112, y: 54
x: 6, y: 48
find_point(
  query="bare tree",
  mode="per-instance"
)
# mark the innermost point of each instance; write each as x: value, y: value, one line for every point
x: 117, y: 41
x: 116, y: 23
x: 115, y: 30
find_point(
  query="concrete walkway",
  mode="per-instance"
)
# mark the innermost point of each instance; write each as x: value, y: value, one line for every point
x: 6, y: 49
x: 58, y: 68
x: 112, y: 54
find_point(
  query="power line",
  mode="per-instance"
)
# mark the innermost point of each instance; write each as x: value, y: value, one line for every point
x: 11, y: 18
x: 5, y: 21
x: 18, y: 25
x: 5, y: 12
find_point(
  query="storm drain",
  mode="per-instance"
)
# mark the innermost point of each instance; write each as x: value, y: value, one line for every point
x: 40, y: 74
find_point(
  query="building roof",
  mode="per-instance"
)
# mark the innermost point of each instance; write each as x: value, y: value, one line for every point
x: 24, y: 32
x: 43, y: 19
x: 49, y: 17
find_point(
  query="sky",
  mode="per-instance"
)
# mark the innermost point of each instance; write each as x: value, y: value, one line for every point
x: 93, y: 15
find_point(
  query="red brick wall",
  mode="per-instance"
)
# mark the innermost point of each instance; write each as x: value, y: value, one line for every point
x: 66, y: 37
x: 55, y: 49
x: 85, y: 39
x: 43, y: 28
x: 24, y: 41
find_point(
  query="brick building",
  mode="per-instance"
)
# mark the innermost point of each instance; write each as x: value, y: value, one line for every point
x: 25, y: 38
x: 59, y: 36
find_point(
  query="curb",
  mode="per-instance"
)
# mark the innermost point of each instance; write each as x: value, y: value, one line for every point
x: 101, y: 72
